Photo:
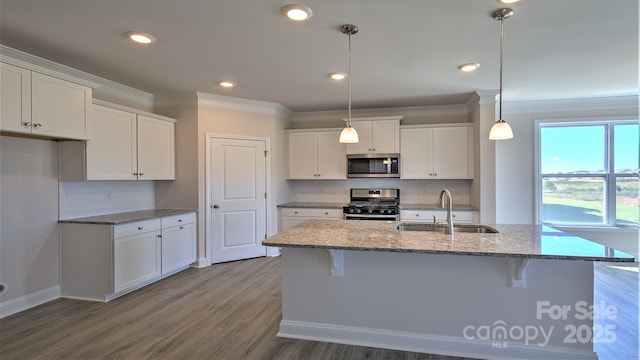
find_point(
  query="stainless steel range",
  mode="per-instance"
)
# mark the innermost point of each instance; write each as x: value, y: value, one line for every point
x: 373, y: 204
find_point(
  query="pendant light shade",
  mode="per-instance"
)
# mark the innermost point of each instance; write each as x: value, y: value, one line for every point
x: 349, y: 135
x: 501, y: 130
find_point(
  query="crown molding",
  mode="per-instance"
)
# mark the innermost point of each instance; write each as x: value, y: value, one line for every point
x: 101, y: 87
x: 623, y: 102
x: 254, y: 106
x: 409, y: 111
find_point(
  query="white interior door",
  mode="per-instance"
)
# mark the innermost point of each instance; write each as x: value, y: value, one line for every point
x: 238, y: 203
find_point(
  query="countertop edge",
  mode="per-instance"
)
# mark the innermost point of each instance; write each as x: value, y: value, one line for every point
x: 463, y: 253
x: 126, y: 217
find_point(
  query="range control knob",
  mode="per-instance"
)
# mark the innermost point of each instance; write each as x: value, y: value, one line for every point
x: 358, y: 211
x: 370, y: 211
x: 351, y: 210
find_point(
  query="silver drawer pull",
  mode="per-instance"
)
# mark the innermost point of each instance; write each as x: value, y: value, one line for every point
x: 179, y: 220
x: 26, y: 124
x: 181, y: 227
x: 140, y: 227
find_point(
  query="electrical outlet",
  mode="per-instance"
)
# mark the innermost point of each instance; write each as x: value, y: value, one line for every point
x: 107, y: 196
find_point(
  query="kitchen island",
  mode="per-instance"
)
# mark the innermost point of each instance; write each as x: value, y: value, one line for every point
x: 524, y: 292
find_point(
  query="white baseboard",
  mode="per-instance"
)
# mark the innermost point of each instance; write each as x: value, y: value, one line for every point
x: 273, y: 251
x: 28, y: 301
x: 423, y: 343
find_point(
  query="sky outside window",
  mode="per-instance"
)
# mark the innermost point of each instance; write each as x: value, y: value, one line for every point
x: 573, y: 149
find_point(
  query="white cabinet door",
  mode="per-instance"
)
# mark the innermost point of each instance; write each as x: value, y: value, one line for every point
x: 451, y: 153
x: 136, y: 259
x: 385, y: 136
x: 363, y: 146
x: 112, y: 150
x: 436, y: 153
x: 416, y: 161
x: 376, y: 136
x: 302, y: 155
x: 156, y: 149
x: 331, y: 156
x: 59, y: 108
x: 15, y: 105
x: 178, y: 247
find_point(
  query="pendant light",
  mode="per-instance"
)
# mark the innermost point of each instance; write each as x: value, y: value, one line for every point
x: 501, y: 130
x: 349, y: 134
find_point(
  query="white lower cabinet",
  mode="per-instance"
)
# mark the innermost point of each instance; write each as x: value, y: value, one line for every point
x: 101, y: 262
x: 178, y: 242
x: 136, y: 259
x: 290, y: 217
x: 464, y: 217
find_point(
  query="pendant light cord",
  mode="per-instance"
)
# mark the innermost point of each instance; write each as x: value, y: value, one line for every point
x: 349, y: 75
x: 501, y: 52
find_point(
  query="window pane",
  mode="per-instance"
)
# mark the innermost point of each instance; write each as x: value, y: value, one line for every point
x: 627, y: 149
x: 627, y: 200
x: 573, y: 200
x: 572, y: 149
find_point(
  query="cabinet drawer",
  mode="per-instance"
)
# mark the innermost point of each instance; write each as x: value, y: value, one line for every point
x: 316, y: 213
x: 180, y: 219
x: 137, y: 227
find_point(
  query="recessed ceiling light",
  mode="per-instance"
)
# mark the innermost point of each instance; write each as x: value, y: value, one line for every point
x: 507, y: 1
x: 227, y: 84
x: 468, y: 67
x: 140, y: 37
x: 297, y: 12
x: 338, y: 76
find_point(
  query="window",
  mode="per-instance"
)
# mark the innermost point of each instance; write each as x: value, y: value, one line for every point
x: 588, y: 173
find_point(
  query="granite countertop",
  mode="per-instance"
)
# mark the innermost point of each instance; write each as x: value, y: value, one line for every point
x: 126, y: 217
x: 518, y: 241
x: 335, y: 205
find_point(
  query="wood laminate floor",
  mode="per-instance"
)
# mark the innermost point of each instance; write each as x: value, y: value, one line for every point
x: 226, y: 311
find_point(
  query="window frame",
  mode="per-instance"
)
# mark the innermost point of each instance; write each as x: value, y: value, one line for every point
x: 609, y: 176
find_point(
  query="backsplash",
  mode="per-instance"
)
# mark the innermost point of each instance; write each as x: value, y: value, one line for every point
x: 89, y: 198
x: 411, y: 191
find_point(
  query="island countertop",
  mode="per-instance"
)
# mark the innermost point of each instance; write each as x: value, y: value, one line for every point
x: 518, y: 241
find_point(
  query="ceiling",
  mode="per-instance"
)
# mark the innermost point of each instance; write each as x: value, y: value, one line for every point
x: 405, y: 54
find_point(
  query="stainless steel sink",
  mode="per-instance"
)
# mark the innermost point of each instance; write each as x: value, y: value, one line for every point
x: 461, y: 228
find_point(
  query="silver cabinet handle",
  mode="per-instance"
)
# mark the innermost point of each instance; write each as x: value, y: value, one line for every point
x: 216, y: 206
x: 159, y: 235
x: 181, y: 227
x: 135, y: 174
x: 326, y: 213
x: 140, y: 227
x: 26, y: 123
x: 295, y: 212
x: 37, y: 125
x: 179, y: 220
x: 140, y: 174
x: 417, y: 214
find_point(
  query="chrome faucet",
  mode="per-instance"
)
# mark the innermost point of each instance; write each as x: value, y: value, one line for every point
x: 441, y: 204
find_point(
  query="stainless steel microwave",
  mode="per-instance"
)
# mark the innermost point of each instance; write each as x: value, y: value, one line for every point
x: 373, y: 165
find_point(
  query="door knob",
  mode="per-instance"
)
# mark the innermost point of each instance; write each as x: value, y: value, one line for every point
x: 215, y: 206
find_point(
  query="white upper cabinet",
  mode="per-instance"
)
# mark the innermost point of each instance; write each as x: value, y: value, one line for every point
x: 15, y: 104
x: 442, y: 152
x: 376, y: 135
x: 123, y: 146
x: 38, y: 104
x: 316, y: 154
x: 112, y: 151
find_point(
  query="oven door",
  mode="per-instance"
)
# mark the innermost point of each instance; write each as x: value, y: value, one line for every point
x: 371, y: 217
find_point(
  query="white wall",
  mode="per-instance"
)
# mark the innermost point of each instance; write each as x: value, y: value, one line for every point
x: 29, y: 239
x: 89, y: 198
